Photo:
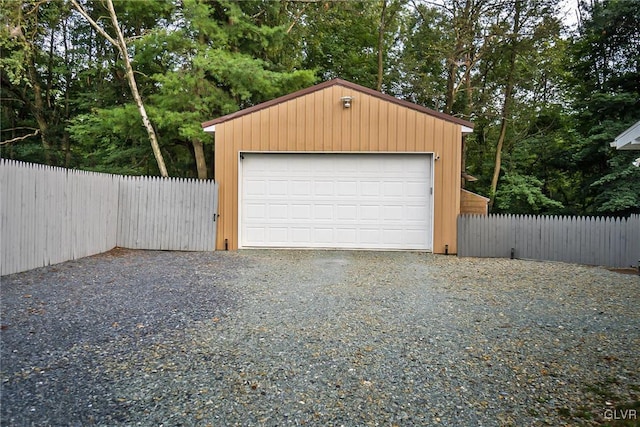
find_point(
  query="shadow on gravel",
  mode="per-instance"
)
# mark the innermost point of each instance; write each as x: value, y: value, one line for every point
x: 55, y: 319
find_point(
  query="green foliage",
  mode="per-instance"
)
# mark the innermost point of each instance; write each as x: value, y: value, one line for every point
x: 522, y: 194
x: 423, y: 60
x: 606, y: 88
x: 618, y: 191
x: 112, y: 140
x: 339, y: 39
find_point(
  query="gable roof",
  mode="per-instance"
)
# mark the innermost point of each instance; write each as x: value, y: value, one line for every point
x: 343, y: 83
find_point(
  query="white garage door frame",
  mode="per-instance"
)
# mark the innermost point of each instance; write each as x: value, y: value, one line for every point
x: 429, y: 192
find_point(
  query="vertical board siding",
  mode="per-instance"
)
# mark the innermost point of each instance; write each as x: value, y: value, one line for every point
x: 611, y: 242
x: 50, y: 215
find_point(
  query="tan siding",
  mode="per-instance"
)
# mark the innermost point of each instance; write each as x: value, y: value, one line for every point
x: 356, y: 129
x: 301, y: 121
x: 450, y: 185
x: 421, y: 134
x: 318, y: 122
x: 364, y: 108
x: 392, y: 130
x: 280, y: 119
x: 435, y: 141
x: 410, y: 137
x: 262, y: 129
x: 224, y: 206
x: 383, y: 125
x: 374, y: 119
x: 471, y: 203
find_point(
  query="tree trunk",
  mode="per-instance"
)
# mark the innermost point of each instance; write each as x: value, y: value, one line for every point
x: 38, y: 111
x: 451, y: 87
x: 201, y: 163
x: 67, y: 87
x: 37, y: 106
x: 506, y: 106
x: 134, y: 91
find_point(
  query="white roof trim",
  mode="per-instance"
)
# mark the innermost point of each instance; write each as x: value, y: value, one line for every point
x: 629, y: 139
x: 210, y: 129
x: 466, y: 129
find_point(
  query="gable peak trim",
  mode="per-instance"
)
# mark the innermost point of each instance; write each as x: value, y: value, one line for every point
x: 210, y: 124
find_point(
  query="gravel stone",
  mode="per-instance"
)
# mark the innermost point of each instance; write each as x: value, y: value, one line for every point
x: 278, y: 337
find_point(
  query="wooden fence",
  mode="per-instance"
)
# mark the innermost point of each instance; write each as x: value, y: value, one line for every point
x: 50, y: 215
x: 611, y: 242
x: 166, y: 214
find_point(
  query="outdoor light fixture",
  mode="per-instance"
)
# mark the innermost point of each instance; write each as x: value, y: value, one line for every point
x: 346, y: 101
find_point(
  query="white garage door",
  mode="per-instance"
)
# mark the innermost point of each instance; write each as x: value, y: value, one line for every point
x: 355, y: 201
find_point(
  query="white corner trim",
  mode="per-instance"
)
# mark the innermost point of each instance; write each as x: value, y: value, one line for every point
x: 210, y: 129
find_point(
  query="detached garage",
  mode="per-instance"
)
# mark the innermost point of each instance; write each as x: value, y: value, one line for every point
x: 338, y: 165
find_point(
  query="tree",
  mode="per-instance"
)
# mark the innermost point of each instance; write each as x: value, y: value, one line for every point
x: 224, y: 63
x: 119, y: 43
x: 33, y: 78
x: 350, y: 40
x: 606, y: 86
x: 213, y: 58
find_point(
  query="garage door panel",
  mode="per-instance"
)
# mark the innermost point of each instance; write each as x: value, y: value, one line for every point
x: 369, y: 188
x: 345, y: 236
x: 278, y: 235
x: 278, y: 187
x: 370, y: 235
x: 415, y: 189
x: 347, y: 212
x: 323, y: 235
x: 323, y: 188
x: 300, y: 212
x: 280, y: 211
x: 300, y: 235
x: 392, y: 189
x: 377, y: 201
x: 255, y: 187
x: 255, y: 211
x: 323, y: 212
x: 370, y: 213
x: 300, y: 188
x: 414, y: 213
x: 348, y: 188
x: 392, y: 213
x: 255, y: 234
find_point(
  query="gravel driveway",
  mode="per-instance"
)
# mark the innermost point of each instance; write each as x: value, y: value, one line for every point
x: 317, y: 338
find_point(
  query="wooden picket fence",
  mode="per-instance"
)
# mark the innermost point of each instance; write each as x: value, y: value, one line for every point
x: 611, y: 242
x: 50, y: 215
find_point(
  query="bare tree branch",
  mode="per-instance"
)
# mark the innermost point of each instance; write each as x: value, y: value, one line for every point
x: 95, y: 25
x: 20, y: 138
x: 297, y: 18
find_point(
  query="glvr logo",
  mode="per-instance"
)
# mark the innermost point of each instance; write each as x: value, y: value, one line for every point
x: 620, y: 414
